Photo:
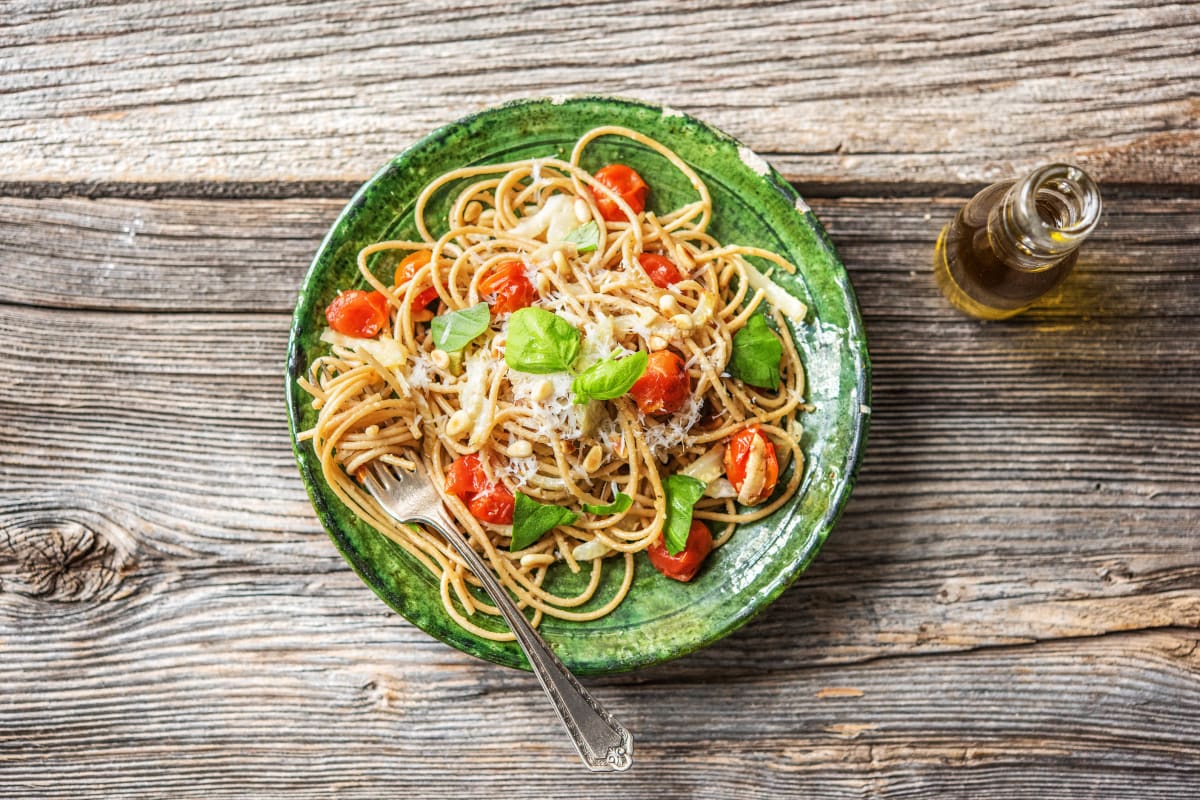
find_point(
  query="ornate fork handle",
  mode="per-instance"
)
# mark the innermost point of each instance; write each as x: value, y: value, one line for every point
x: 603, y: 743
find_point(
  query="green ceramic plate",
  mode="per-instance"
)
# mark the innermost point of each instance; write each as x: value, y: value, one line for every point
x: 754, y: 205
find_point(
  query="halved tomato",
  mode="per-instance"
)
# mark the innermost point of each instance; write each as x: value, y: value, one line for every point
x: 684, y: 565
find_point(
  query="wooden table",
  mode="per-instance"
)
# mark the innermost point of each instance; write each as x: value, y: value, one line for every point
x: 1010, y: 606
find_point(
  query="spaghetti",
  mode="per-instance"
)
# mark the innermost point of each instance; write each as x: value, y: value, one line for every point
x: 586, y: 437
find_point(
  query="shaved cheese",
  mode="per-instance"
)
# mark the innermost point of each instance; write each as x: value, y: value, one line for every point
x: 775, y: 294
x: 600, y: 341
x: 708, y: 467
x: 556, y: 218
x: 386, y: 350
x: 473, y: 397
x: 720, y: 488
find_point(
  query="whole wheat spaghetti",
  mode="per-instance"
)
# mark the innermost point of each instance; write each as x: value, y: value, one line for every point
x: 545, y: 234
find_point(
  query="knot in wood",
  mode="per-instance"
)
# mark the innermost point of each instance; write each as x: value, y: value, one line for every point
x: 46, y: 556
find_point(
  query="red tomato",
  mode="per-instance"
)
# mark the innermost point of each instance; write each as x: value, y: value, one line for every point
x: 494, y: 504
x: 664, y: 387
x: 466, y: 476
x: 511, y: 286
x: 684, y: 565
x: 490, y: 502
x: 662, y: 270
x: 405, y: 272
x: 357, y: 313
x: 751, y: 464
x: 625, y: 182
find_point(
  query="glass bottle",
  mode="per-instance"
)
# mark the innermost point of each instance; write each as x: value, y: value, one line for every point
x: 1015, y: 241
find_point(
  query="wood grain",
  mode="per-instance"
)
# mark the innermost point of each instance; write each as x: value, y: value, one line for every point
x: 203, y: 91
x: 1009, y: 607
x: 215, y: 255
x: 1010, y: 604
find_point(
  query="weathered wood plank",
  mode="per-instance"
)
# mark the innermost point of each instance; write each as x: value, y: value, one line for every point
x: 944, y: 92
x: 173, y: 621
x: 201, y: 706
x: 162, y: 436
x: 251, y: 255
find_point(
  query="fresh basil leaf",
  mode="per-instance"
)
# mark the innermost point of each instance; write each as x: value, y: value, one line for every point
x: 456, y: 329
x: 531, y: 519
x: 682, y: 494
x: 585, y: 238
x: 756, y: 354
x: 618, y: 505
x: 609, y: 378
x: 540, y: 342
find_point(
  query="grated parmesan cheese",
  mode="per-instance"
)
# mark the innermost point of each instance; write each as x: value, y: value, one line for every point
x: 557, y: 414
x: 663, y: 436
x: 519, y: 470
x: 420, y: 371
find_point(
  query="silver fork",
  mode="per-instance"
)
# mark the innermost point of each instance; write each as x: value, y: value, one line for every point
x: 603, y: 743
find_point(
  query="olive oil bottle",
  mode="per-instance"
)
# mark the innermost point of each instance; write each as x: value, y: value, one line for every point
x: 1015, y: 241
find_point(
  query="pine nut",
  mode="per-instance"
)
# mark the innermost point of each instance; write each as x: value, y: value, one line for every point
x: 560, y: 261
x: 668, y: 305
x: 472, y: 211
x: 521, y: 448
x: 537, y: 560
x: 656, y: 343
x: 543, y: 391
x: 582, y: 212
x: 440, y: 359
x: 591, y: 462
x: 458, y: 424
x: 683, y: 322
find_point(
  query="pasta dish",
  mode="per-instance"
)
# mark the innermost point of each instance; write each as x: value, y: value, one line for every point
x: 584, y: 379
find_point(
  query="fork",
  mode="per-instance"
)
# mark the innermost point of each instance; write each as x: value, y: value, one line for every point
x: 602, y: 742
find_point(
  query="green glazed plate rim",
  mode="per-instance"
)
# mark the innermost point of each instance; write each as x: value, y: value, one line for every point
x: 665, y: 619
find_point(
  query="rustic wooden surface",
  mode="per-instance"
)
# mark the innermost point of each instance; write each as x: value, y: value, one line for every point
x: 1010, y: 606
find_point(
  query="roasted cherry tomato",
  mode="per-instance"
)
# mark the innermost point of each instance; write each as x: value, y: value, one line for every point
x: 405, y: 271
x: 357, y: 313
x: 664, y: 386
x: 510, y: 283
x: 466, y: 476
x: 684, y: 565
x: 625, y: 182
x: 751, y: 465
x: 494, y: 504
x: 662, y: 270
x: 490, y: 502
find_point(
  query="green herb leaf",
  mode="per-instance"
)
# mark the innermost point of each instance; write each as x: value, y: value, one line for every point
x: 586, y: 238
x: 682, y: 494
x: 540, y: 342
x: 531, y: 519
x: 456, y: 329
x: 620, y: 504
x: 756, y: 354
x: 609, y: 378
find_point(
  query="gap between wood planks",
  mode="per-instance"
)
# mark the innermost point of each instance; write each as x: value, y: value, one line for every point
x: 283, y: 190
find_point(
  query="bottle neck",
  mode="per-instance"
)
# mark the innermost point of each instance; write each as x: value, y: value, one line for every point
x: 1044, y: 217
